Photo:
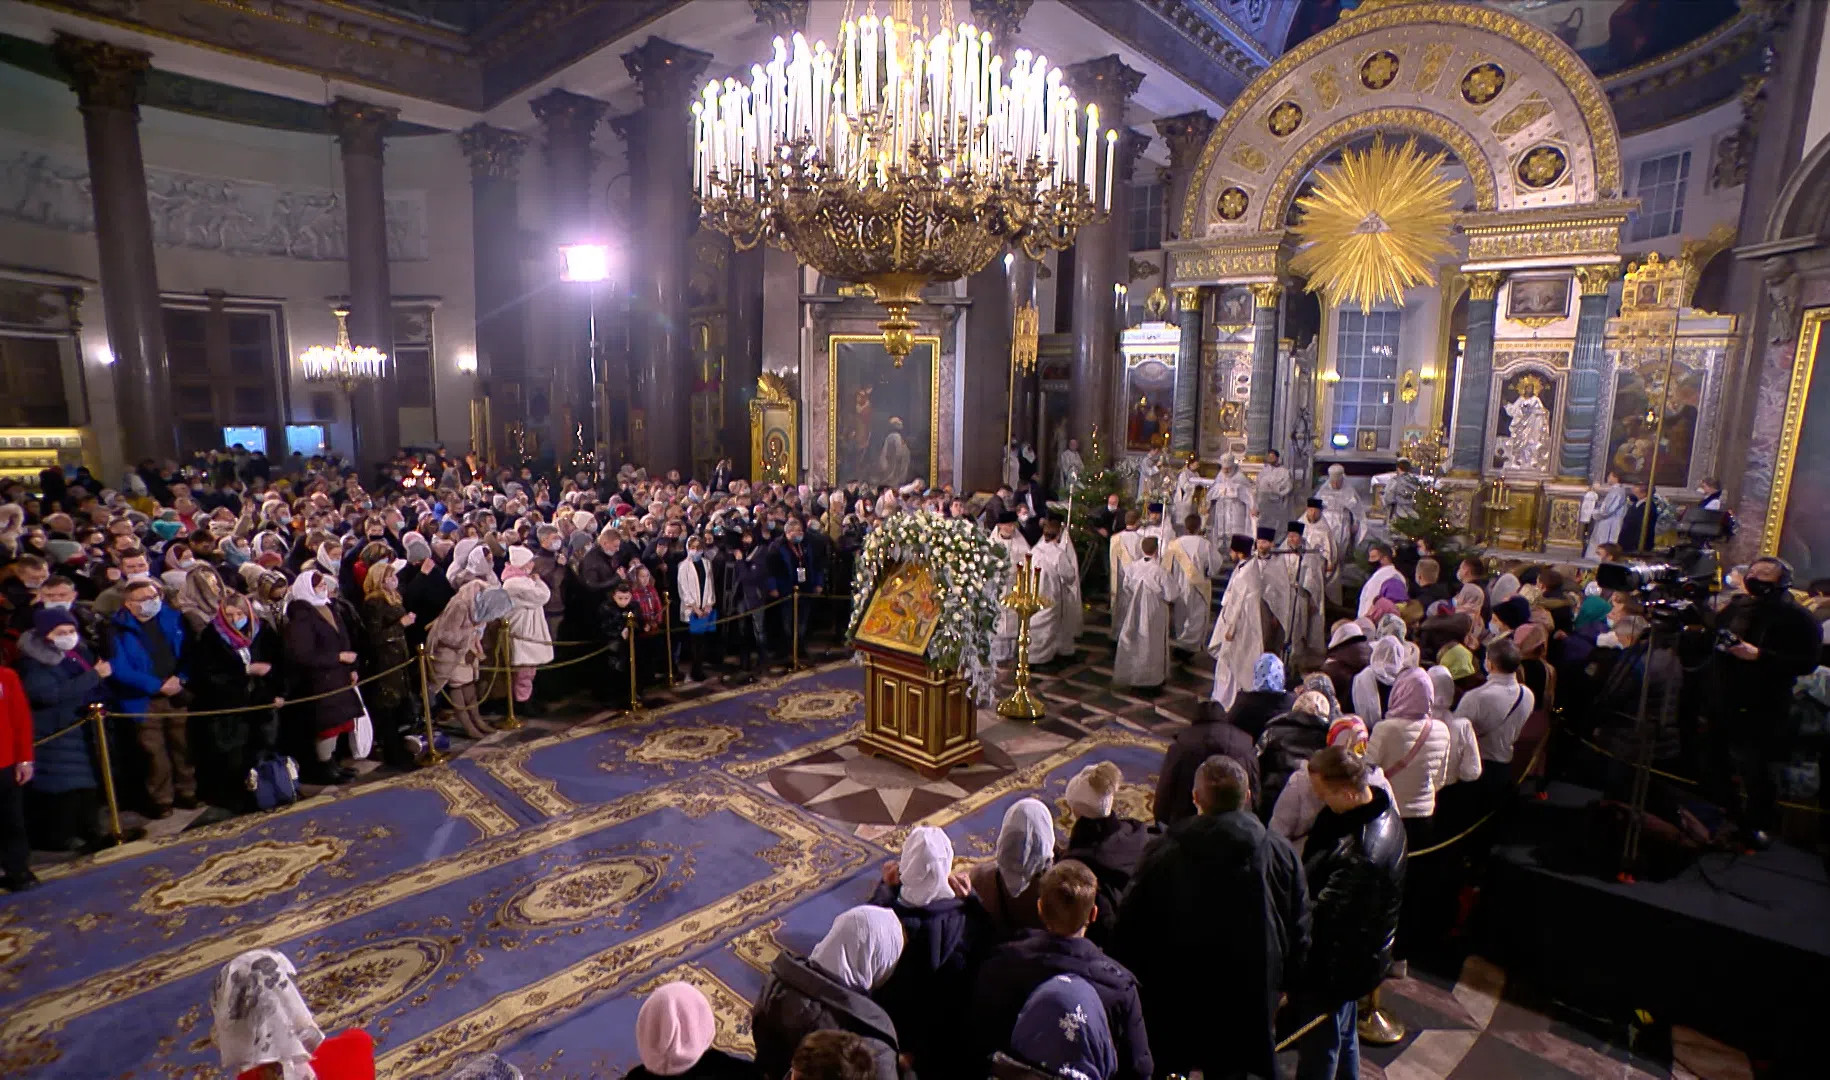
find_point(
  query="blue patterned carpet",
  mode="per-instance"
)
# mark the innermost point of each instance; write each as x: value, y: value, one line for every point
x: 521, y: 901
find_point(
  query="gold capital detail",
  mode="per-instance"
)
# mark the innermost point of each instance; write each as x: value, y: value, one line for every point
x: 1266, y: 293
x: 1596, y: 279
x: 360, y: 125
x: 665, y: 72
x: 492, y: 151
x: 104, y: 76
x: 1188, y: 299
x: 1484, y: 284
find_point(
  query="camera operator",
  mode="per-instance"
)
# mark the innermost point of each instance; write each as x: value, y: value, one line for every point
x: 1767, y: 642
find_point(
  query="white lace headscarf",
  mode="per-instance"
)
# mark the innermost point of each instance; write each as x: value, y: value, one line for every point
x: 927, y: 859
x: 862, y: 947
x: 261, y: 1018
x: 1026, y: 844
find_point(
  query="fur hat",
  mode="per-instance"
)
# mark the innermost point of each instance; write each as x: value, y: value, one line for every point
x: 1091, y: 791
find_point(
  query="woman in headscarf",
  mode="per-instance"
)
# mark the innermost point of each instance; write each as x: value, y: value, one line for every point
x: 1009, y: 887
x: 1104, y: 841
x: 941, y: 934
x: 270, y: 594
x: 319, y: 660
x: 1460, y: 800
x: 673, y: 1035
x: 454, y: 645
x: 1504, y: 588
x: 389, y: 697
x: 1061, y: 1033
x: 263, y: 1029
x: 831, y: 990
x: 1298, y: 805
x: 531, y: 643
x: 1290, y: 740
x: 650, y: 613
x: 1412, y: 748
x: 199, y: 594
x: 1348, y: 654
x: 1372, y: 687
x: 1253, y: 709
x: 233, y: 665
x: 1537, y: 674
x: 1472, y: 602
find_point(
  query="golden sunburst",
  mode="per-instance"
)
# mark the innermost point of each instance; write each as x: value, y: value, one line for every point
x: 1375, y: 225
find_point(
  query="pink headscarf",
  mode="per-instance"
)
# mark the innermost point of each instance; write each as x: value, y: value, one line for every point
x: 1410, y: 697
x: 1349, y: 729
x: 674, y: 1029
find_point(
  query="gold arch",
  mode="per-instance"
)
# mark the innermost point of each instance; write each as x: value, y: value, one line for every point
x: 1276, y: 199
x: 1562, y: 61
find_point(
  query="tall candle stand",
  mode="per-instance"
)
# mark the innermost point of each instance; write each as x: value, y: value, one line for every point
x: 1025, y: 598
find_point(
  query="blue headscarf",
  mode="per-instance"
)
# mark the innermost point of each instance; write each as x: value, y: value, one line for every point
x: 1268, y: 673
x: 1062, y: 1031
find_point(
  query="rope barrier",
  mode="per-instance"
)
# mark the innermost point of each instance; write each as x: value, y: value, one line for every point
x: 1537, y: 756
x: 61, y: 733
x: 402, y: 666
x: 1688, y: 781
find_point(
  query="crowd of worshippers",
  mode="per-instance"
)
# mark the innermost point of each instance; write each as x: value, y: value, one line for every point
x: 224, y: 613
x: 1064, y: 956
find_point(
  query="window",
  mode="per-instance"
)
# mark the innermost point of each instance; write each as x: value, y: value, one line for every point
x: 1146, y: 210
x: 225, y: 364
x: 1662, y: 181
x: 307, y: 439
x: 1366, y: 358
x: 32, y: 383
x: 254, y: 438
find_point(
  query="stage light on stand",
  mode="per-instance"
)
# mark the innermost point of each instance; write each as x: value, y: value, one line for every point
x: 584, y: 263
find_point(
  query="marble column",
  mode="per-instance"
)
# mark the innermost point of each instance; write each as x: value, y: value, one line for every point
x: 1099, y: 264
x: 784, y: 18
x: 108, y: 80
x: 1266, y: 298
x: 661, y: 164
x: 1184, y: 427
x: 568, y: 122
x: 987, y: 404
x: 743, y: 353
x: 1476, y: 374
x: 495, y: 155
x: 1022, y: 292
x: 375, y: 407
x: 1003, y: 18
x: 1185, y: 135
x: 1582, y: 394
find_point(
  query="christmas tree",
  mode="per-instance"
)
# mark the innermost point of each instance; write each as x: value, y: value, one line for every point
x: 1100, y: 479
x: 1431, y: 521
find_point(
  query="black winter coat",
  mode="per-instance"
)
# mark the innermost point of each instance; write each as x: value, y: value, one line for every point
x: 1111, y: 847
x: 1344, y: 662
x: 797, y: 999
x: 1215, y: 918
x: 1253, y: 709
x: 713, y: 1065
x: 1354, y: 865
x: 387, y: 648
x: 934, y: 974
x: 312, y: 644
x: 58, y: 696
x: 425, y: 594
x: 1286, y: 743
x: 1013, y: 971
x: 222, y: 746
x: 1207, y: 736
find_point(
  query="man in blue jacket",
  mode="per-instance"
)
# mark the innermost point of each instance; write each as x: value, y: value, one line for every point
x: 796, y: 567
x: 147, y: 678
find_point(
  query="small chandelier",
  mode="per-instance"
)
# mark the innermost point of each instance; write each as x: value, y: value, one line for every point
x: 344, y: 364
x: 898, y: 161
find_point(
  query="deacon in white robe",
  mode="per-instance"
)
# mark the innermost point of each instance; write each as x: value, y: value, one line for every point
x: 1345, y: 515
x: 1052, y: 629
x: 1273, y: 488
x: 1306, y: 547
x: 1610, y: 512
x: 1195, y: 562
x: 1121, y: 550
x: 1147, y: 473
x: 1383, y: 571
x: 1004, y: 637
x: 1157, y: 525
x: 1278, y: 602
x: 1190, y: 486
x: 1068, y: 467
x: 1231, y: 503
x: 1239, y: 631
x: 1144, y: 627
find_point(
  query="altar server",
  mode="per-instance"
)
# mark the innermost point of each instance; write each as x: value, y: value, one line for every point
x: 1239, y: 632
x: 1273, y: 489
x: 1052, y: 630
x: 1189, y: 490
x: 1610, y: 511
x: 1194, y: 562
x: 1342, y: 510
x: 1005, y: 535
x: 1308, y: 624
x: 1384, y: 570
x: 1230, y: 502
x: 1121, y: 550
x: 1143, y: 625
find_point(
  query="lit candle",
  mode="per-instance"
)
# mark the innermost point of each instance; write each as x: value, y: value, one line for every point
x: 1091, y: 166
x: 1111, y: 145
x: 868, y: 30
x: 851, y: 68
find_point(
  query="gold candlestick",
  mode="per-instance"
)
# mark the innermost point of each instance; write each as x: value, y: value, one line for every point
x: 1025, y: 598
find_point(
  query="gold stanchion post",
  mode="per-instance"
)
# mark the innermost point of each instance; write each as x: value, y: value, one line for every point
x: 1025, y: 598
x: 508, y: 646
x: 794, y: 633
x: 99, y: 716
x: 1377, y: 1026
x: 635, y: 698
x: 667, y: 632
x: 433, y: 754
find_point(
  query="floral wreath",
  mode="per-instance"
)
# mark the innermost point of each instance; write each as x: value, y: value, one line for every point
x: 968, y: 571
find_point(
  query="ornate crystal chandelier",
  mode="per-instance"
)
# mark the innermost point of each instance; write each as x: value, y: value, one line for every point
x: 900, y: 159
x: 343, y: 364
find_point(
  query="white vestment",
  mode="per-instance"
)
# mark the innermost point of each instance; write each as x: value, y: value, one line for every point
x: 1194, y: 562
x: 1010, y: 467
x: 1369, y: 592
x: 1164, y: 532
x: 1052, y: 629
x: 1121, y: 550
x: 1273, y: 489
x: 1143, y: 628
x: 1230, y: 502
x: 1068, y: 468
x: 1308, y: 629
x: 1341, y: 510
x: 1238, y: 637
x: 1004, y: 638
x: 1609, y: 515
x: 1146, y: 474
x: 1188, y: 482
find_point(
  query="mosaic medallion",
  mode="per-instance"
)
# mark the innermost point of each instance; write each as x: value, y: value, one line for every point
x: 600, y: 887
x: 232, y: 878
x: 1287, y: 117
x: 349, y: 989
x: 1483, y: 83
x: 1542, y: 166
x: 685, y: 744
x: 1232, y: 204
x: 1378, y: 70
x: 808, y: 706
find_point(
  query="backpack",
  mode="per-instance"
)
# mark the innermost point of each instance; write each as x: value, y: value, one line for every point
x: 273, y: 781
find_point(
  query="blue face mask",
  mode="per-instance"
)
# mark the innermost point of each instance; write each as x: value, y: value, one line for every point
x: 234, y: 556
x: 239, y: 622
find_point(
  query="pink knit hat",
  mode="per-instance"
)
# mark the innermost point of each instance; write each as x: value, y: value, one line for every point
x: 674, y: 1029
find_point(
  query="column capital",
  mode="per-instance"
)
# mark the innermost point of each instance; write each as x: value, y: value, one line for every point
x: 1188, y: 298
x: 1266, y: 294
x: 1106, y: 81
x: 784, y: 18
x: 665, y: 72
x: 1003, y: 18
x: 1595, y: 280
x: 491, y: 151
x: 1131, y: 147
x: 104, y: 75
x: 1484, y: 284
x: 1186, y: 133
x: 360, y: 125
x: 566, y: 116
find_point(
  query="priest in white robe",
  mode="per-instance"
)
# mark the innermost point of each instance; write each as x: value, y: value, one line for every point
x: 1610, y: 511
x: 1068, y: 467
x: 1195, y: 563
x: 1121, y: 550
x: 1190, y: 489
x: 1346, y: 518
x: 1006, y: 536
x: 1274, y: 488
x: 1052, y: 629
x: 1144, y: 625
x: 1231, y: 503
x: 1239, y: 631
x: 1306, y: 547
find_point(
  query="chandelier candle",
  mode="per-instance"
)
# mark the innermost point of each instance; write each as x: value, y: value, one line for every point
x: 899, y: 160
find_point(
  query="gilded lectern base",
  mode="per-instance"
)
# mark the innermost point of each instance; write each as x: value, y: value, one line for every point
x: 917, y: 716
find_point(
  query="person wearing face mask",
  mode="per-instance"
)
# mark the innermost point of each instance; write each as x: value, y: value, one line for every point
x: 61, y: 678
x: 232, y: 662
x: 746, y: 589
x: 698, y: 590
x: 148, y: 679
x: 319, y: 660
x: 24, y: 578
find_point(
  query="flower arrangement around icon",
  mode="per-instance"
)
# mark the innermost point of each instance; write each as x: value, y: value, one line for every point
x: 968, y: 572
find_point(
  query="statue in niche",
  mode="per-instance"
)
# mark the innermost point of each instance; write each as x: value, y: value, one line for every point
x: 1525, y: 444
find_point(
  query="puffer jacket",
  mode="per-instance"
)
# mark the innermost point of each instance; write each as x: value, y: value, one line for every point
x: 533, y: 639
x: 797, y: 999
x: 58, y: 692
x: 1354, y: 864
x: 1285, y: 744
